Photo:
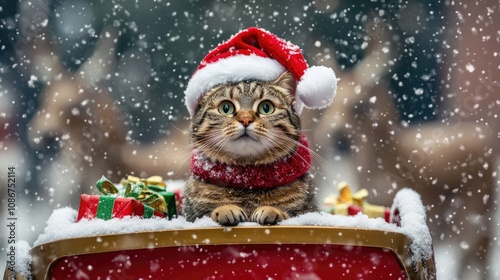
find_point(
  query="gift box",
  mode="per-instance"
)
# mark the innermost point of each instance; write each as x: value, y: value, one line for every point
x: 178, y: 191
x: 108, y: 207
x: 372, y: 211
x: 156, y: 185
x: 133, y: 197
x: 350, y: 204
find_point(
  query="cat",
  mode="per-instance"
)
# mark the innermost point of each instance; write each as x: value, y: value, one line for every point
x: 250, y: 162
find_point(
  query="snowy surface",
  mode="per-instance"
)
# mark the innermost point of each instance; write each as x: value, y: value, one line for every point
x: 62, y: 224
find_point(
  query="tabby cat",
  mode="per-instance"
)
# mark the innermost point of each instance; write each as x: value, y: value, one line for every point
x: 250, y: 161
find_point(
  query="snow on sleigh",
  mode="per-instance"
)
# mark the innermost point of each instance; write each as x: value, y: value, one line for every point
x: 350, y: 244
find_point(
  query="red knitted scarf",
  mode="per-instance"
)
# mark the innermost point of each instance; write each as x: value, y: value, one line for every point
x: 260, y: 176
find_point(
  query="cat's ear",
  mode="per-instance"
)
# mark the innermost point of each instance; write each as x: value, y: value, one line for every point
x: 286, y: 81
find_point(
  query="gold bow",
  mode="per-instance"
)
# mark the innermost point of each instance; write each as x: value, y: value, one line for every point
x: 145, y: 193
x: 150, y: 181
x: 339, y: 204
x: 346, y: 196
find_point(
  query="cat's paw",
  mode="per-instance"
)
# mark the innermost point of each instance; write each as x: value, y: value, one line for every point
x: 229, y: 215
x: 268, y: 215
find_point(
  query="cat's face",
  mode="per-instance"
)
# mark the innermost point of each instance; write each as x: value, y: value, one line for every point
x: 247, y: 122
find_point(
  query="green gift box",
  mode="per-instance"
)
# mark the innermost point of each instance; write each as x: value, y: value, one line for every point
x: 169, y: 198
x: 150, y: 190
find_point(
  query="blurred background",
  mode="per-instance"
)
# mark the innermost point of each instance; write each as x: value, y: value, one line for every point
x: 92, y: 88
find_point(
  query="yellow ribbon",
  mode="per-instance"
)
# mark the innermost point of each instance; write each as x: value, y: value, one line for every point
x: 346, y: 196
x: 339, y: 204
x: 150, y: 181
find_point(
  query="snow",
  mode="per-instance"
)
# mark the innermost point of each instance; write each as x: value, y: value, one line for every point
x: 62, y: 225
x: 470, y: 67
x: 413, y: 222
x: 23, y: 259
x: 359, y: 221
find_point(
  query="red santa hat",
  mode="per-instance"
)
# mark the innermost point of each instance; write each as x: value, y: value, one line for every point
x: 256, y: 54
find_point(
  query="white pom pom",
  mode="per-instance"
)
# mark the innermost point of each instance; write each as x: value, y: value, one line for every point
x: 317, y: 87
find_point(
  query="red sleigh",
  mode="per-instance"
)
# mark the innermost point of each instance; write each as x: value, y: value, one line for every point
x: 360, y: 249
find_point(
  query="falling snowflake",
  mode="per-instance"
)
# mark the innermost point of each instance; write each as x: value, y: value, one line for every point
x: 470, y: 67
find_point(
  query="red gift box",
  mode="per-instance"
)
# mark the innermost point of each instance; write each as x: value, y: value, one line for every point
x: 371, y: 211
x: 108, y: 207
x: 179, y: 198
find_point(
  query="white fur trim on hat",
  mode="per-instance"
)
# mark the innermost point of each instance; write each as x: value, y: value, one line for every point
x: 317, y: 87
x: 232, y: 69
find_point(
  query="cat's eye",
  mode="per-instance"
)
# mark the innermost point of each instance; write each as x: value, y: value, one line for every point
x: 226, y: 108
x: 266, y: 107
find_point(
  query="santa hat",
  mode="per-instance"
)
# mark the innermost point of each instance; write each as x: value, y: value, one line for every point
x: 256, y: 54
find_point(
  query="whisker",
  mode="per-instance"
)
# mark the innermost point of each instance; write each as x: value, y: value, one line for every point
x: 183, y: 162
x: 291, y: 146
x: 270, y: 146
x: 213, y: 140
x: 183, y: 154
x: 179, y: 129
x: 323, y: 163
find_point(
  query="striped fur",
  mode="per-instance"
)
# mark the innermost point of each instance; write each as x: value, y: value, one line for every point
x: 268, y: 138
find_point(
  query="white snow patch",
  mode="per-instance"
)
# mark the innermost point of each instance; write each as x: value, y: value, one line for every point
x: 62, y: 225
x: 413, y: 223
x: 360, y: 221
x: 23, y: 259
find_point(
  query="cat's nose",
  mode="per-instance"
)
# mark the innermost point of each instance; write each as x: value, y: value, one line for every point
x: 246, y: 121
x: 245, y: 117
